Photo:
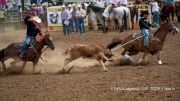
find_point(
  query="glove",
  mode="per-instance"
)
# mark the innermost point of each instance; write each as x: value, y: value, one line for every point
x: 152, y: 29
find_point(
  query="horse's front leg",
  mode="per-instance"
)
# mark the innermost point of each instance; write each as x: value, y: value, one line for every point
x: 159, y: 57
x: 34, y: 66
x: 145, y: 57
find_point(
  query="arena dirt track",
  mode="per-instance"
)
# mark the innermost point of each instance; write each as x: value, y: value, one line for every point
x: 87, y: 81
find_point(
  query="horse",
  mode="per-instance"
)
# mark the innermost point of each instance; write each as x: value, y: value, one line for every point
x: 97, y: 8
x: 168, y: 9
x: 122, y: 14
x: 156, y: 42
x: 34, y: 52
x: 177, y: 6
x: 133, y: 12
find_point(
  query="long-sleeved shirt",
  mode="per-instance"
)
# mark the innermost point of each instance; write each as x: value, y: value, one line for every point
x: 69, y: 11
x: 80, y: 13
x: 32, y: 30
x: 123, y: 2
x: 144, y: 24
x: 155, y: 7
x: 64, y: 15
x: 74, y: 13
x: 169, y: 1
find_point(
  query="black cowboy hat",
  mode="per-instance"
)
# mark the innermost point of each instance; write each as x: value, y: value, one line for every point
x: 144, y: 12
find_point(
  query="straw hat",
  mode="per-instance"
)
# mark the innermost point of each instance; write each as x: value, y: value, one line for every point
x: 79, y: 6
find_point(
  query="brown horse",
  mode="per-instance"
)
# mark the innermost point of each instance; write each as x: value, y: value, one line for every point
x: 33, y: 53
x: 155, y: 43
x: 177, y: 6
x: 168, y: 9
x: 134, y: 12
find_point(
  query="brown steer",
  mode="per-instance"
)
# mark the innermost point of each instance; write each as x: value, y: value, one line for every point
x: 98, y: 52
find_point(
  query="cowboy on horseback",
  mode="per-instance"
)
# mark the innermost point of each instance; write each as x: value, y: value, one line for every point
x: 31, y: 33
x: 145, y: 26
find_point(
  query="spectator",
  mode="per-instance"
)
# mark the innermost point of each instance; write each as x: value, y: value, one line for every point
x: 169, y: 1
x: 156, y: 14
x: 75, y: 20
x: 123, y: 3
x: 80, y: 14
x: 65, y: 22
x: 69, y: 10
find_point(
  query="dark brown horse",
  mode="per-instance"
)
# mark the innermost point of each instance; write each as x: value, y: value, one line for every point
x: 134, y: 12
x: 168, y: 9
x: 33, y: 53
x: 177, y: 6
x: 155, y: 43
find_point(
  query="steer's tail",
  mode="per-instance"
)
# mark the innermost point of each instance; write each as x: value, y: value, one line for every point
x: 2, y: 55
x: 67, y: 51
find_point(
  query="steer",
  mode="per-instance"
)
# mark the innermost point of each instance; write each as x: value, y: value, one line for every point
x: 98, y: 52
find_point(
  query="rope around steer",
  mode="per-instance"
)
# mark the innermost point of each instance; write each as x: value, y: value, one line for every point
x: 126, y: 43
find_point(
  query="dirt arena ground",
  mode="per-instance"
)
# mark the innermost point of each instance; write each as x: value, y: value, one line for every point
x: 87, y: 81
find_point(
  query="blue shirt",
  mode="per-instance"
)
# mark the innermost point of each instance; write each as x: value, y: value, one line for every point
x: 74, y: 13
x: 169, y: 1
x: 64, y: 15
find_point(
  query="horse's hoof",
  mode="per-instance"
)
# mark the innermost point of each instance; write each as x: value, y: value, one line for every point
x: 106, y: 70
x: 160, y: 62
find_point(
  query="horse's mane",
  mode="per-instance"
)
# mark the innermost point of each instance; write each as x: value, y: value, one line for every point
x: 159, y: 29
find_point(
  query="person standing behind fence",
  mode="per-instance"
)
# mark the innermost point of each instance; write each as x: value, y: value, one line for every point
x: 80, y: 14
x: 65, y: 22
x: 156, y: 14
x: 123, y: 3
x: 69, y: 10
x: 168, y: 1
x: 75, y: 20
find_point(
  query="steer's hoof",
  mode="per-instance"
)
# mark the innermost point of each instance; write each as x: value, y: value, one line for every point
x: 111, y: 60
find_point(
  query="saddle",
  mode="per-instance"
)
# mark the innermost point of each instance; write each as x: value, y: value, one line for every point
x: 138, y: 36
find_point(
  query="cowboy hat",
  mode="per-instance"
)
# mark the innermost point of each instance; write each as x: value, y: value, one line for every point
x: 69, y: 5
x: 144, y: 12
x: 37, y: 19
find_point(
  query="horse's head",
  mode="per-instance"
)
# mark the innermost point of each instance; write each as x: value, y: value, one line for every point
x: 172, y: 28
x: 47, y: 40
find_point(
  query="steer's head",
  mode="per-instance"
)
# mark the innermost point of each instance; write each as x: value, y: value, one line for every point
x: 108, y: 54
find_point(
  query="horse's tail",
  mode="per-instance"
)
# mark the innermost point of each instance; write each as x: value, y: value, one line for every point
x: 125, y: 19
x: 66, y: 52
x: 114, y: 43
x: 2, y: 55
